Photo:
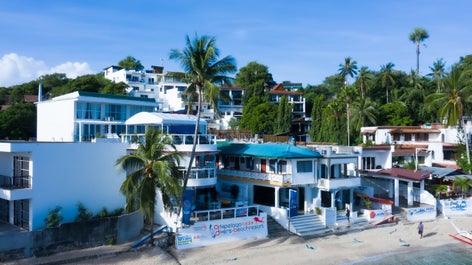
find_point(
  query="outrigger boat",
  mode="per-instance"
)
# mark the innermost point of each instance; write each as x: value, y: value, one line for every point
x: 461, y: 235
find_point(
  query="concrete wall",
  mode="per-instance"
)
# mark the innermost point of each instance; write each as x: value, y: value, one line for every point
x: 16, y: 245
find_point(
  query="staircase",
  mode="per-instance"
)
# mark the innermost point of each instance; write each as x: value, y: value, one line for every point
x: 308, y: 225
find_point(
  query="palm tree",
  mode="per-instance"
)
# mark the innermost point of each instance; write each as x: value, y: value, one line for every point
x: 203, y: 71
x: 450, y: 103
x: 349, y: 68
x: 363, y: 112
x: 363, y: 80
x: 463, y: 183
x: 154, y: 166
x: 438, y: 73
x: 386, y: 77
x: 417, y: 36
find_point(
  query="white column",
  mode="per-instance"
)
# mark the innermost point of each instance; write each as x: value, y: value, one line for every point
x: 333, y: 199
x: 351, y: 199
x: 11, y: 214
x: 421, y: 186
x: 410, y: 193
x: 276, y: 197
x: 390, y: 189
x: 308, y: 198
x: 396, y: 192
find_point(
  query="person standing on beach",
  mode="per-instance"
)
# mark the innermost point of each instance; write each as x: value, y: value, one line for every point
x: 420, y: 229
x: 348, y: 214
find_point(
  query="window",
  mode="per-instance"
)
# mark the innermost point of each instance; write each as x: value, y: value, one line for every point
x: 368, y: 162
x: 304, y: 166
x: 282, y: 166
x: 272, y: 165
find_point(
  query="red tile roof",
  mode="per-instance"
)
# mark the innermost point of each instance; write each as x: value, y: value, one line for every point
x: 401, y: 173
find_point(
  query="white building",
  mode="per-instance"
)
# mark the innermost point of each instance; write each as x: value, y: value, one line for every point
x: 165, y: 88
x: 36, y: 177
x: 82, y: 116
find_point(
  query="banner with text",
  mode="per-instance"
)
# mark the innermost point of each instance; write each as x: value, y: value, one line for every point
x: 223, y: 230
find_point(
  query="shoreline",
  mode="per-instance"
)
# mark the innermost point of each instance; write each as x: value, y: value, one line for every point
x: 344, y: 246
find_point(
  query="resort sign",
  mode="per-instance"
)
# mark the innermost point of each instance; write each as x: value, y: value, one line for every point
x: 222, y: 230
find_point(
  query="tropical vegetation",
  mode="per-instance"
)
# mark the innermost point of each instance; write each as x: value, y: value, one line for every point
x: 152, y: 168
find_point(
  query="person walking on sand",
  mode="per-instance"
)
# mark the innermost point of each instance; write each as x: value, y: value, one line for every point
x: 348, y: 214
x: 420, y: 229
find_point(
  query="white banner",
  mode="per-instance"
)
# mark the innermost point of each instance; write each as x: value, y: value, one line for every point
x: 222, y: 230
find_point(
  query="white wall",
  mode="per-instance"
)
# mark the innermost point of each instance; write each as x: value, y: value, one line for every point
x: 55, y: 121
x: 65, y: 174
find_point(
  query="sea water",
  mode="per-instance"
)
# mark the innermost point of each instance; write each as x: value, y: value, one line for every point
x: 456, y: 254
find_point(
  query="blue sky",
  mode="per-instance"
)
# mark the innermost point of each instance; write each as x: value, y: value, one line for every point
x: 300, y: 41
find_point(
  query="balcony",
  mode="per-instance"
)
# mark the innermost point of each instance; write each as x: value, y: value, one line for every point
x: 202, y: 177
x: 269, y: 177
x: 339, y: 183
x: 13, y: 183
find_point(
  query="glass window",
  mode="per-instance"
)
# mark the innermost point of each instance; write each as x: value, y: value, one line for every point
x: 304, y: 166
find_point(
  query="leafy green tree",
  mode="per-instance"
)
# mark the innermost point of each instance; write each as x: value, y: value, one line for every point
x: 317, y: 119
x: 463, y: 183
x: 152, y: 167
x: 417, y: 36
x: 255, y: 78
x: 334, y: 122
x: 131, y: 63
x: 364, y: 113
x: 387, y: 77
x: 203, y: 71
x: 84, y: 214
x: 284, y: 116
x: 395, y: 114
x: 450, y: 103
x: 233, y: 123
x: 18, y: 122
x: 258, y: 116
x: 54, y: 217
x: 363, y: 80
x: 438, y: 73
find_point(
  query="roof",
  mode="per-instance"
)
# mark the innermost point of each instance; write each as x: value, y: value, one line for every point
x: 401, y: 173
x: 77, y: 94
x: 440, y: 172
x: 267, y: 150
x: 413, y: 130
x: 163, y: 118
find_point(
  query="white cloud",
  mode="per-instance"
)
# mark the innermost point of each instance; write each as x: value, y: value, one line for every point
x: 17, y: 69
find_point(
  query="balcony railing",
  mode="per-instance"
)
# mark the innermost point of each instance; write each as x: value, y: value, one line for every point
x: 336, y: 183
x: 12, y: 183
x: 177, y: 139
x: 201, y: 177
x: 272, y: 177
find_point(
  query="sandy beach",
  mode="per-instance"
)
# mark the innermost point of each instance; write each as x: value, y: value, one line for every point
x: 346, y: 246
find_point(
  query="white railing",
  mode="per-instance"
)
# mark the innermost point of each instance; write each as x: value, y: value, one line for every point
x: 281, y: 178
x: 177, y: 139
x: 336, y: 183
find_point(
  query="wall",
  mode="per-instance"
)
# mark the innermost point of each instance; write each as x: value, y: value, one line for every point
x: 460, y: 207
x: 16, y: 245
x: 65, y: 174
x: 54, y: 125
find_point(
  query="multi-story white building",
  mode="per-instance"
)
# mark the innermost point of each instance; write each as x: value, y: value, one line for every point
x: 295, y: 98
x: 164, y: 87
x: 233, y: 108
x: 84, y: 116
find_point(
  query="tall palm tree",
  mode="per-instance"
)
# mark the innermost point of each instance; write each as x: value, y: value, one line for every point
x: 203, y: 71
x: 417, y: 36
x: 349, y: 68
x: 463, y: 183
x: 438, y: 73
x: 154, y: 166
x: 363, y: 80
x: 386, y: 77
x: 363, y: 112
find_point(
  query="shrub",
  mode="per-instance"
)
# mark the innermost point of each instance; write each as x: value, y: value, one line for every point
x: 54, y: 217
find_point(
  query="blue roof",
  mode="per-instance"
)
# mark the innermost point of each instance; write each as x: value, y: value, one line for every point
x: 269, y: 150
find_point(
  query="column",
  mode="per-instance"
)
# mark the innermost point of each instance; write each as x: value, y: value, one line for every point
x: 421, y: 186
x: 351, y: 199
x: 276, y: 197
x: 333, y: 199
x: 390, y: 189
x: 410, y: 193
x: 11, y: 214
x: 396, y: 192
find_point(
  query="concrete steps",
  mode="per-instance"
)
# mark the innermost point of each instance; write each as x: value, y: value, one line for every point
x: 307, y: 225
